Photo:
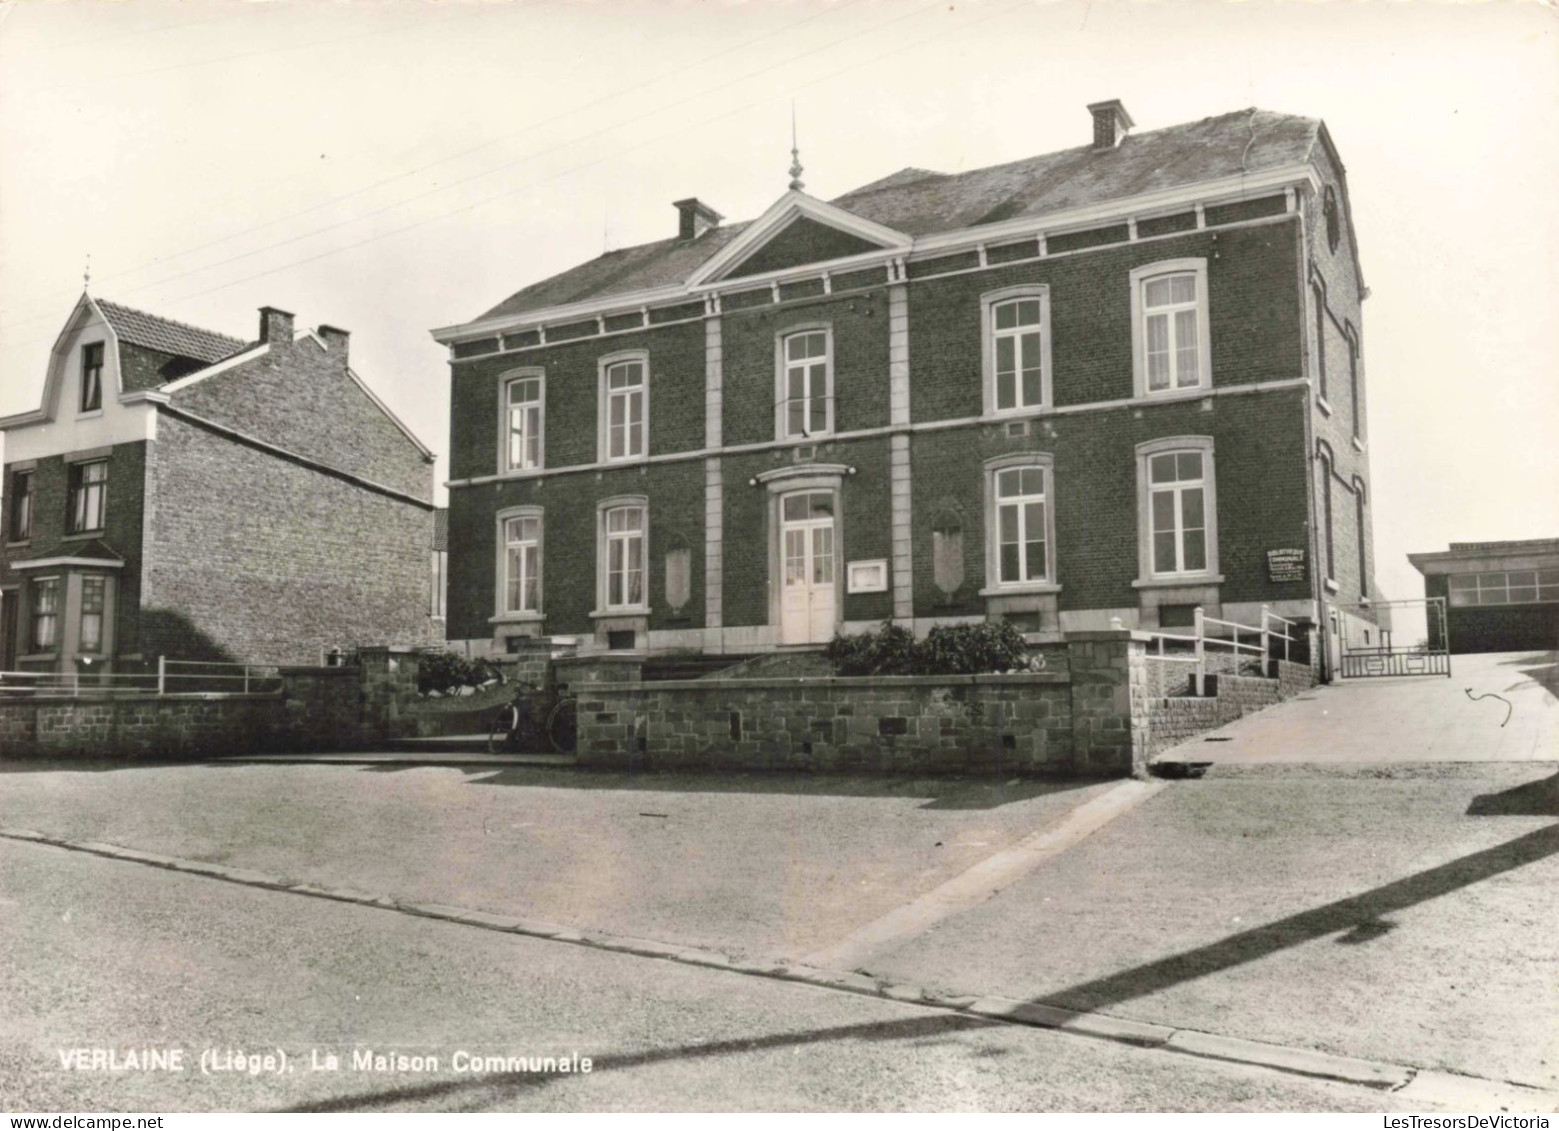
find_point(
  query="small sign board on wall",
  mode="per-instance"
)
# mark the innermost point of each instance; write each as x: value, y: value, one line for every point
x: 1286, y: 565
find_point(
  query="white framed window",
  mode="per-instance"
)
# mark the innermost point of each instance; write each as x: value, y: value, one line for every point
x: 522, y: 418
x: 625, y: 406
x: 805, y: 393
x: 1015, y: 328
x: 1177, y: 500
x: 519, y: 562
x: 1020, y: 522
x: 624, y: 527
x: 1505, y: 587
x: 1171, y: 349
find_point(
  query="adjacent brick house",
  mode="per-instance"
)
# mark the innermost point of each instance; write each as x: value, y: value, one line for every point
x: 185, y: 494
x: 1118, y: 381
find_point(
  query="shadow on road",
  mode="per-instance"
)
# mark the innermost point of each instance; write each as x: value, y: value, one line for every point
x: 1356, y: 920
x: 1362, y: 917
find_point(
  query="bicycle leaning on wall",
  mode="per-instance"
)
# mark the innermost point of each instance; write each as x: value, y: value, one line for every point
x: 529, y: 722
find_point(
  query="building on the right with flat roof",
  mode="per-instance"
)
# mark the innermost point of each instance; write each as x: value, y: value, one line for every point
x: 1501, y: 596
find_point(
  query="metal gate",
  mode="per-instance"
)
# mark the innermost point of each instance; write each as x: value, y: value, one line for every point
x: 1371, y: 648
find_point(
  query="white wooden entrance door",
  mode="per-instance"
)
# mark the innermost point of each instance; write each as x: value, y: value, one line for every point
x: 808, y: 599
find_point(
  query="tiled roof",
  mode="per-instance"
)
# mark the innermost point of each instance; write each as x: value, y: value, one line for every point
x: 441, y: 528
x: 919, y: 203
x: 178, y: 338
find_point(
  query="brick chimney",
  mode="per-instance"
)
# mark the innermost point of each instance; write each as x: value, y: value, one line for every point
x: 696, y: 218
x: 336, y: 341
x: 275, y: 325
x: 1110, y: 123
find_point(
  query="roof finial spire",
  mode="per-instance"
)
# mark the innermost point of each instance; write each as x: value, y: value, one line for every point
x: 795, y: 153
x: 86, y: 275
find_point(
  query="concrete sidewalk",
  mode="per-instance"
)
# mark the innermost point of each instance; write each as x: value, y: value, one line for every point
x: 1410, y: 719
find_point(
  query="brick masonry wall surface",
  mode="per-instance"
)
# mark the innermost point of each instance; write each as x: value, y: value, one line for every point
x: 1254, y: 312
x: 675, y: 494
x: 261, y: 559
x: 299, y: 397
x: 859, y: 324
x: 988, y: 724
x: 864, y: 531
x: 143, y: 368
x: 571, y: 372
x: 1343, y: 307
x: 122, y: 528
x: 1260, y: 469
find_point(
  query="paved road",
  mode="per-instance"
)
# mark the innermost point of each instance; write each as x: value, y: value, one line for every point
x: 761, y: 864
x: 102, y: 953
x: 1412, y: 719
x: 1400, y: 913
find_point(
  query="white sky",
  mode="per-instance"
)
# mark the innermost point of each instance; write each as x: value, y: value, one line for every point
x: 397, y: 166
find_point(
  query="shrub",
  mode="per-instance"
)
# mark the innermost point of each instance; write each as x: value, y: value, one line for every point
x: 962, y: 649
x: 888, y: 651
x: 972, y: 649
x: 445, y: 671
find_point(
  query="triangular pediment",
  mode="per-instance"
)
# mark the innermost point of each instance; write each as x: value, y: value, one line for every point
x: 796, y: 231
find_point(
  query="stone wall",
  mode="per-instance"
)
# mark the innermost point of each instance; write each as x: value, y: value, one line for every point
x: 1293, y: 678
x: 998, y: 724
x: 1089, y: 717
x: 317, y: 710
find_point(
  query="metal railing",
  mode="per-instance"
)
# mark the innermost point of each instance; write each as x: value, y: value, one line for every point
x: 1198, y: 640
x: 171, y: 677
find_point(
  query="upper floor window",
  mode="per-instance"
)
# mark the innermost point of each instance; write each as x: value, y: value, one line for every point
x: 1353, y: 383
x: 1333, y: 222
x: 521, y: 578
x: 21, y: 506
x: 806, y: 392
x: 45, y: 614
x: 88, y: 496
x: 1328, y: 529
x: 624, y: 388
x: 522, y: 423
x: 1361, y: 532
x: 1179, y: 529
x: 1318, y: 294
x: 623, y: 530
x: 1171, y: 348
x: 92, y: 377
x: 1016, y: 332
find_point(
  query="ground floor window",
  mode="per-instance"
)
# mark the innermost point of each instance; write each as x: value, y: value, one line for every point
x: 45, y: 628
x: 1511, y: 587
x: 625, y: 557
x: 93, y: 593
x: 522, y: 563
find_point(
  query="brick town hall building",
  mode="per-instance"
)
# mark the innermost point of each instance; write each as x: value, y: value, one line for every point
x: 1122, y: 380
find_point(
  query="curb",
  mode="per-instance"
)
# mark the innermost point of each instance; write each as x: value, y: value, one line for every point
x: 1422, y: 1085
